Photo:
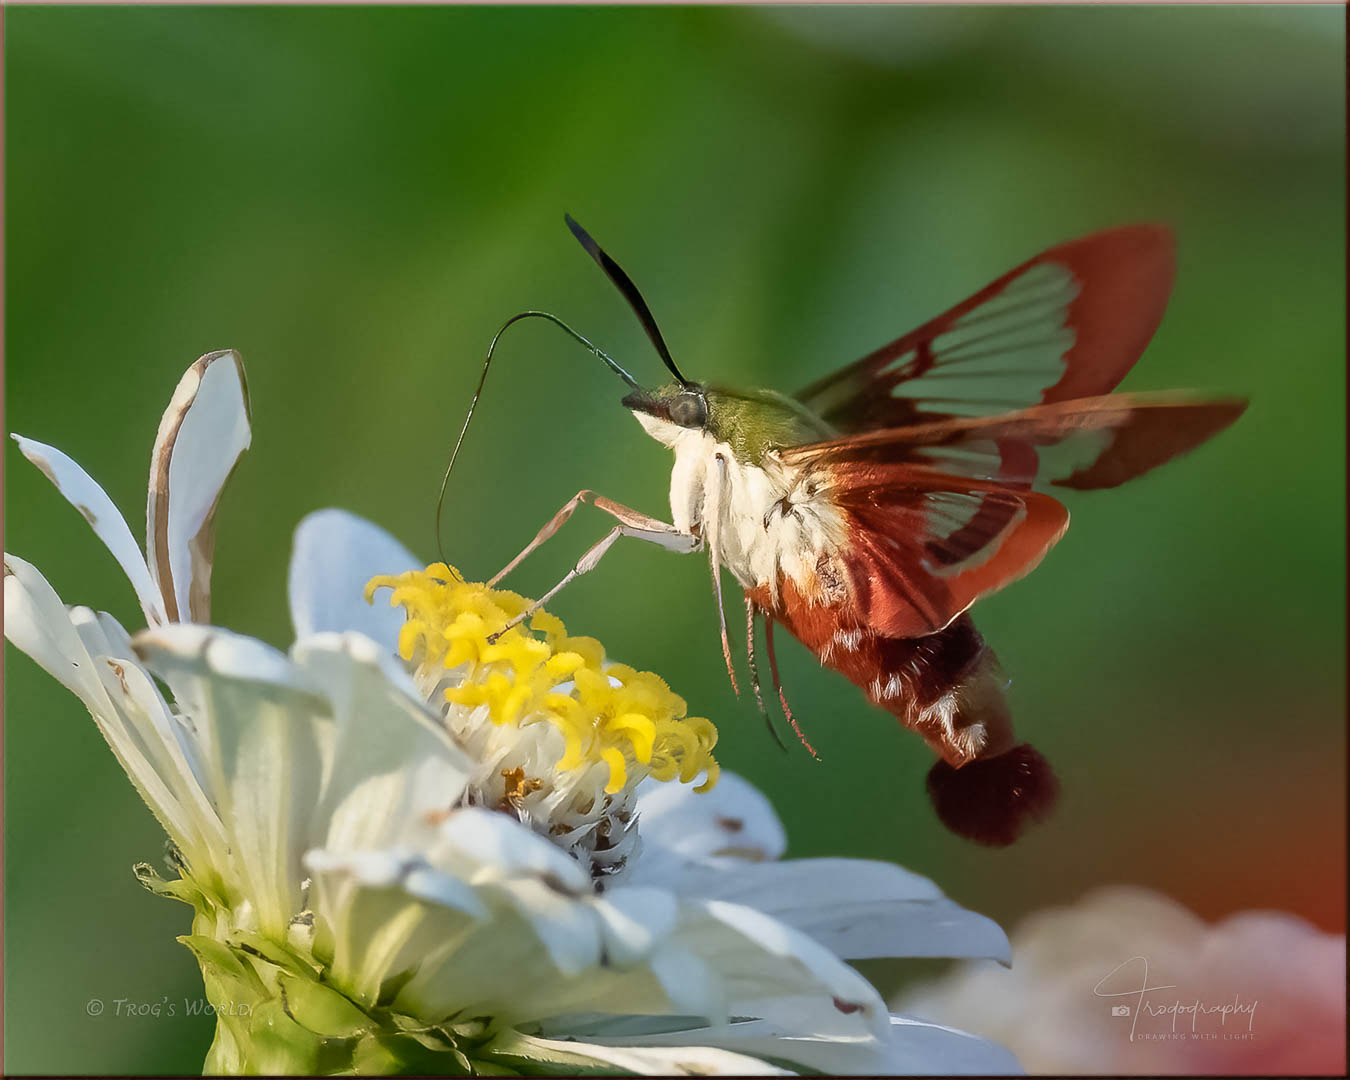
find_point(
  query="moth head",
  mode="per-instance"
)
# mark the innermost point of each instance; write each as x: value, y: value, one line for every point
x: 666, y: 413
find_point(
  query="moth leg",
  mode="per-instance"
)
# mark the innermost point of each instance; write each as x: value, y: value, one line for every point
x: 716, y: 565
x: 666, y: 536
x: 712, y: 530
x: 778, y: 685
x: 623, y: 514
x: 752, y: 662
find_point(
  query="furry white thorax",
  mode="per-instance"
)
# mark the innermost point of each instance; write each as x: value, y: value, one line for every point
x: 762, y: 521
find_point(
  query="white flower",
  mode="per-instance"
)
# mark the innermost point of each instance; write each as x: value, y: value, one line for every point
x: 487, y: 852
x: 1261, y: 992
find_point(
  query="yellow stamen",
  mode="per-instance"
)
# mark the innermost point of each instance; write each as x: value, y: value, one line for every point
x: 639, y: 724
x: 640, y: 730
x: 618, y: 771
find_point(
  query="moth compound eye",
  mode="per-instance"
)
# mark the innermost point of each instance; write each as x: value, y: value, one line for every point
x: 689, y: 410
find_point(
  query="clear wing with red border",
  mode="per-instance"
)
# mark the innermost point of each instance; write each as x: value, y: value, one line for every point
x: 943, y: 513
x: 1068, y: 323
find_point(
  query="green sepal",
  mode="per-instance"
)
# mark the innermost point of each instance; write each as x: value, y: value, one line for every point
x: 181, y: 889
x: 320, y: 1009
x: 528, y: 1058
x: 392, y: 1054
x: 276, y: 1045
x: 276, y: 1014
x: 270, y: 952
x: 221, y: 958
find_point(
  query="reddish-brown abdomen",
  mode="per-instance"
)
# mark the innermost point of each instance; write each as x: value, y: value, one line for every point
x: 992, y: 800
x: 948, y: 688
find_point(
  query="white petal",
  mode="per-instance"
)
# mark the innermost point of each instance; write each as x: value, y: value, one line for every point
x: 397, y: 809
x: 131, y: 689
x: 857, y: 908
x: 910, y: 1047
x: 196, y: 650
x: 409, y: 871
x: 506, y: 966
x: 734, y: 818
x: 335, y: 553
x: 38, y: 623
x: 167, y: 740
x: 690, y: 983
x: 566, y: 927
x: 917, y: 1046
x: 915, y: 928
x: 492, y: 847
x: 642, y: 1060
x: 798, y: 883
x: 395, y: 772
x: 100, y: 632
x: 544, y: 918
x: 672, y: 983
x: 388, y: 913
x: 103, y: 517
x: 267, y: 737
x: 634, y: 921
x: 203, y: 432
x: 779, y: 974
x: 375, y: 670
x: 552, y: 946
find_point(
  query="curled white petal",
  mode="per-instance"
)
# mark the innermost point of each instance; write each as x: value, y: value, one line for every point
x: 203, y: 432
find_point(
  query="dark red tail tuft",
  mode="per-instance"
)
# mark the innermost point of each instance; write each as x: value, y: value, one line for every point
x: 991, y: 800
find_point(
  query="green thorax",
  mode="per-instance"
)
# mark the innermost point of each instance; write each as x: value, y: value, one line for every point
x: 753, y: 422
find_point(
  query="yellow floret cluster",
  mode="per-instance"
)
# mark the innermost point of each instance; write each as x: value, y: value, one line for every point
x: 606, y: 711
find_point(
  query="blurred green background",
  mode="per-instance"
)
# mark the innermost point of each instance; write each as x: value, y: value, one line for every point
x: 356, y: 198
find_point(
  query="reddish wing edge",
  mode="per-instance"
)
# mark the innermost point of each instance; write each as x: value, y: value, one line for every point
x: 1141, y: 432
x: 909, y: 578
x: 927, y: 542
x: 1124, y: 278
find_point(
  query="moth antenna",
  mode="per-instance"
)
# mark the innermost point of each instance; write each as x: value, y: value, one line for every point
x: 625, y: 285
x: 595, y: 350
x: 751, y: 662
x: 778, y: 685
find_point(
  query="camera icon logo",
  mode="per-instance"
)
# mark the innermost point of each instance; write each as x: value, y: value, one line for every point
x: 1120, y: 1010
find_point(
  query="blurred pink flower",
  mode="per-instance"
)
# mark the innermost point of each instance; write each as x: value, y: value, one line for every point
x: 1127, y: 981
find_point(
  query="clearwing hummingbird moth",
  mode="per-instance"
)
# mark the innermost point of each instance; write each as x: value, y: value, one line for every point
x: 867, y: 512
